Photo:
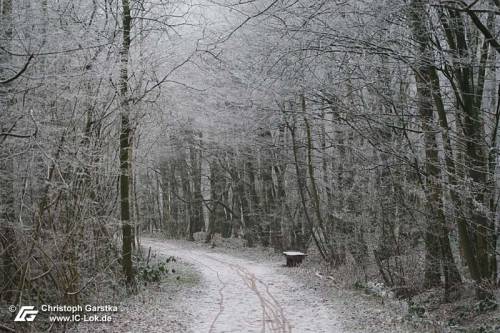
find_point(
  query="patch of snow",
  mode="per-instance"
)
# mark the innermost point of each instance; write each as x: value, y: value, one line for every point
x: 240, y: 295
x: 293, y: 253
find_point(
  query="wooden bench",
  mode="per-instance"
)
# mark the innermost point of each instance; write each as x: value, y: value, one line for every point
x: 294, y: 258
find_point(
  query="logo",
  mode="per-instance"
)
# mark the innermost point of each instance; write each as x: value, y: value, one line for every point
x: 26, y: 313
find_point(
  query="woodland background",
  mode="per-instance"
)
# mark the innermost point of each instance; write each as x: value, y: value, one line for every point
x: 365, y: 131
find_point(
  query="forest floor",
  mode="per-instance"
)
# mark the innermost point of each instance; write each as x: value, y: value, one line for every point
x: 157, y: 307
x: 371, y: 307
x: 234, y: 289
x: 251, y: 291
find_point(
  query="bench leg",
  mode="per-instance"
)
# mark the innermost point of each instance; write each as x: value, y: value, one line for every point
x: 294, y: 261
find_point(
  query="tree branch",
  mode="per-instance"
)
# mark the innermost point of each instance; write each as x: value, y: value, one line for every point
x: 477, y: 22
x: 20, y: 72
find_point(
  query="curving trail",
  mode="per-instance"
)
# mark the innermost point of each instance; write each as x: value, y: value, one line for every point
x: 243, y: 296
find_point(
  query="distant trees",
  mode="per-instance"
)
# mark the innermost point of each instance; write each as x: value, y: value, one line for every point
x: 373, y: 135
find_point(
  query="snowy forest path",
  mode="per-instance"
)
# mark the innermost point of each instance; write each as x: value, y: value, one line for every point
x: 240, y: 295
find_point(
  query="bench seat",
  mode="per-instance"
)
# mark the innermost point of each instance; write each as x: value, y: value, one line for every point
x: 294, y: 258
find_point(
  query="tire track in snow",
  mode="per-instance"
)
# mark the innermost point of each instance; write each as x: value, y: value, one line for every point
x: 221, y: 304
x: 271, y: 309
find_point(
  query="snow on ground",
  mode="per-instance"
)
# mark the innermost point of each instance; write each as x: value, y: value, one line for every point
x: 255, y: 293
x: 243, y: 292
x: 240, y: 295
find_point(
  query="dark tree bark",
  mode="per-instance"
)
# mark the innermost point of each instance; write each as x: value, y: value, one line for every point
x: 124, y: 149
x: 217, y: 215
x: 436, y: 235
x: 468, y: 84
x: 197, y: 221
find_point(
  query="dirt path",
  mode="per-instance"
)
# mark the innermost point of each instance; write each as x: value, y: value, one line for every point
x: 239, y: 295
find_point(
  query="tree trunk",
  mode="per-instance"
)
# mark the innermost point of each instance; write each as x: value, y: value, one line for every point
x: 124, y: 149
x: 198, y: 223
x: 436, y: 236
x: 187, y: 198
x: 468, y: 84
x: 302, y: 186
